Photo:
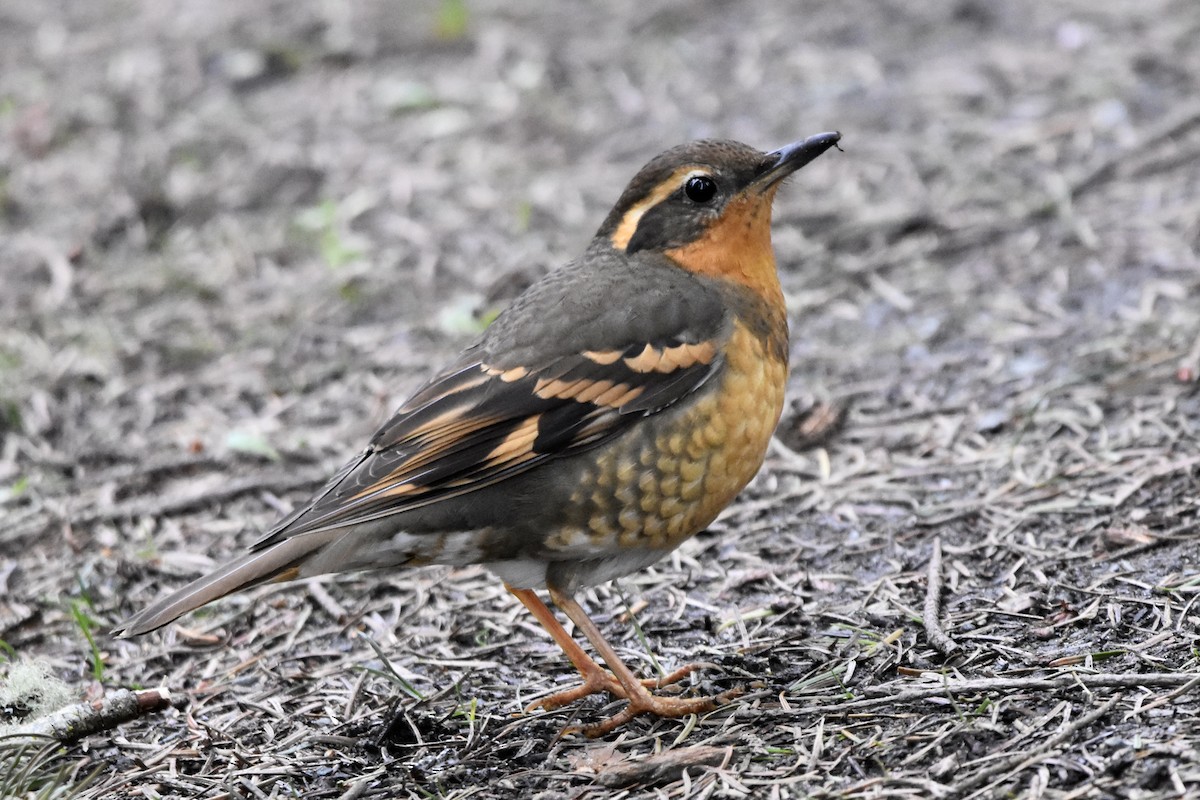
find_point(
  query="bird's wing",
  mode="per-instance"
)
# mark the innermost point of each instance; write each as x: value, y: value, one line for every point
x: 530, y: 391
x: 563, y: 369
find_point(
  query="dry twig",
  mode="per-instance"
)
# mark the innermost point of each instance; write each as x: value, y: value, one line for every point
x: 82, y: 719
x: 931, y: 611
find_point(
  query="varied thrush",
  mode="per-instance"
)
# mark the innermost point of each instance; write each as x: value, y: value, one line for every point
x: 609, y: 414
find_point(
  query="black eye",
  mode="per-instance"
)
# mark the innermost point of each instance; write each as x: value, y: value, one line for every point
x: 700, y: 188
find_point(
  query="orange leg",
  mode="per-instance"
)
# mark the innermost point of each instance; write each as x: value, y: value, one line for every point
x: 595, y: 678
x: 620, y: 683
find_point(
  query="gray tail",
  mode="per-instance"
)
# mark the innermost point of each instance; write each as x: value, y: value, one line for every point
x: 279, y: 562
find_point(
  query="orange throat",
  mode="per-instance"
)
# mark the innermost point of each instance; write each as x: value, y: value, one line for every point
x: 737, y: 248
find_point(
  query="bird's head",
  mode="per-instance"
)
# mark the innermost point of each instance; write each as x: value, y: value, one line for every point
x: 707, y: 205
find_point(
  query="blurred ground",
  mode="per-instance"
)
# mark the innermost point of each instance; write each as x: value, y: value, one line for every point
x: 234, y: 235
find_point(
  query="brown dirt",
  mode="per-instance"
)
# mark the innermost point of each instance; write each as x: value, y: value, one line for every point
x: 234, y: 235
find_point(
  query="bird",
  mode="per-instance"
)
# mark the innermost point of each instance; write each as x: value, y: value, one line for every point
x: 611, y: 412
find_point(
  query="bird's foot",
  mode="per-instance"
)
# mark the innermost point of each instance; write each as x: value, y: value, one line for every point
x: 601, y: 680
x: 644, y: 702
x: 641, y: 700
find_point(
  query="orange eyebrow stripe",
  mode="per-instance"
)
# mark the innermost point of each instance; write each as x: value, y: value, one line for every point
x: 629, y: 223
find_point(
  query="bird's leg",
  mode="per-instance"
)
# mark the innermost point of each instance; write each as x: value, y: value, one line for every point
x: 596, y: 679
x: 641, y: 701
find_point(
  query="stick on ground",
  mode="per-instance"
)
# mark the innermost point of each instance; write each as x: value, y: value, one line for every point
x: 79, y: 720
x: 932, y: 610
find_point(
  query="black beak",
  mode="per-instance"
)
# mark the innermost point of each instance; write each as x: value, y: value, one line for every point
x: 789, y: 158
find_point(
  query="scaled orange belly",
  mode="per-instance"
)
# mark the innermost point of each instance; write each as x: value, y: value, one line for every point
x: 654, y: 492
